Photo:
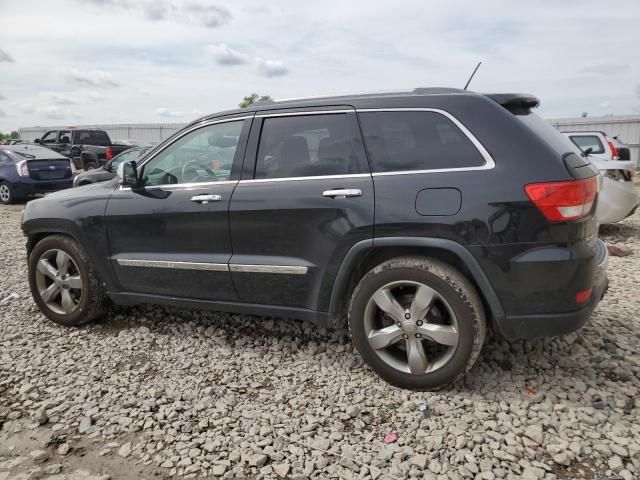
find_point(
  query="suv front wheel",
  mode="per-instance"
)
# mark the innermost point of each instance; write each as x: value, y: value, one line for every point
x: 418, y: 322
x: 64, y: 282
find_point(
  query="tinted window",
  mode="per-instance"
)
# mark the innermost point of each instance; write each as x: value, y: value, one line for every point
x: 588, y: 141
x: 398, y: 141
x: 204, y: 155
x: 100, y: 138
x: 307, y: 146
x: 49, y: 137
x: 65, y: 136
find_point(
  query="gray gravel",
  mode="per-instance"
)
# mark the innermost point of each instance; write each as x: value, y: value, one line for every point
x: 157, y: 392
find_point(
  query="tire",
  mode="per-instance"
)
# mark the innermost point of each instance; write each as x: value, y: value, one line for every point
x: 88, y: 302
x: 455, y: 317
x: 90, y: 165
x: 7, y: 193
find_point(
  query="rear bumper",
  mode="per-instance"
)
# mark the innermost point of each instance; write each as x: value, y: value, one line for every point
x: 514, y: 327
x: 28, y: 187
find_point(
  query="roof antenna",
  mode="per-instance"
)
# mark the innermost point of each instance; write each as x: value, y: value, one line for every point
x: 471, y: 77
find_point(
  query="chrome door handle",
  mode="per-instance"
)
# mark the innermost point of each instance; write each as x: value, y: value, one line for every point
x: 342, y: 193
x: 204, y: 199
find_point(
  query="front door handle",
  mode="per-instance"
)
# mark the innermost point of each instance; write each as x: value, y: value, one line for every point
x: 204, y: 199
x: 342, y: 193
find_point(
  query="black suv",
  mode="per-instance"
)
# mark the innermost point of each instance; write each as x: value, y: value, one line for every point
x: 421, y: 217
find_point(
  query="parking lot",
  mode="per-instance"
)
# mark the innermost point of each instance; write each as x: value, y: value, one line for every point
x: 155, y: 392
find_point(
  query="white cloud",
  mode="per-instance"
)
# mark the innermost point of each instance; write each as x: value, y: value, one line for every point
x: 2, y: 114
x: 96, y: 96
x: 5, y: 57
x: 91, y: 78
x: 225, y: 55
x: 165, y: 112
x: 59, y: 98
x: 25, y: 108
x: 52, y: 112
x: 2, y: 97
x: 605, y: 104
x: 271, y: 68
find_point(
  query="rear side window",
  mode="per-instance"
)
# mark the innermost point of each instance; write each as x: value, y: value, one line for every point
x: 401, y: 141
x: 588, y: 141
x: 100, y: 138
x: 308, y: 146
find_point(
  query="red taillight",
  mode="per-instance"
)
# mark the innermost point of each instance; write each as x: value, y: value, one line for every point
x: 22, y: 168
x: 583, y: 295
x: 614, y: 150
x: 109, y: 153
x: 564, y: 201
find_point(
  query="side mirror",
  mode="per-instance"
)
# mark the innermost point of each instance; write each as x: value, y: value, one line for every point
x: 127, y: 174
x: 37, y: 140
x: 588, y: 151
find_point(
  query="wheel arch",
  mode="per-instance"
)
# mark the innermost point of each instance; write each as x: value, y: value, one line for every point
x: 366, y: 254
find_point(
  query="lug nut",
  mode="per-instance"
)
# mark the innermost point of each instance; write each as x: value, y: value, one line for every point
x: 419, y: 323
x: 399, y: 324
x: 407, y: 316
x: 418, y: 335
x: 405, y: 336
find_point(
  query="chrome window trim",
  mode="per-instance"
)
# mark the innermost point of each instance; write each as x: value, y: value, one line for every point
x: 306, y: 112
x: 489, y: 162
x: 295, y: 179
x: 291, y: 269
x: 173, y: 186
x: 212, y: 267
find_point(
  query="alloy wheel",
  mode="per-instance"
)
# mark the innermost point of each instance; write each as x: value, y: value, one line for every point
x: 5, y: 193
x: 58, y: 281
x: 411, y: 327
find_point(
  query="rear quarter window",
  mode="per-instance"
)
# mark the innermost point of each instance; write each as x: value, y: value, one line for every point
x: 405, y: 141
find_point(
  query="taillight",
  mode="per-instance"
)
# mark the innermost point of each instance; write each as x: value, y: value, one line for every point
x: 22, y: 168
x: 583, y: 295
x: 614, y: 150
x: 109, y: 153
x: 564, y: 201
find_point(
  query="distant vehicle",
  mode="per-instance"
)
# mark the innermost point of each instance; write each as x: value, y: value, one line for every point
x: 619, y: 198
x: 109, y: 169
x: 29, y: 169
x: 89, y: 148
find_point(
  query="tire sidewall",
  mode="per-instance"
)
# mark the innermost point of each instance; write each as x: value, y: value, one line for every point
x: 78, y: 316
x: 465, y: 316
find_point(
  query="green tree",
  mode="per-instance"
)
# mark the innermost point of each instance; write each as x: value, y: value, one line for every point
x: 253, y: 98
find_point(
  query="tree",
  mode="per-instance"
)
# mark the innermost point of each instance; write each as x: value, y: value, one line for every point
x: 9, y: 136
x: 253, y: 98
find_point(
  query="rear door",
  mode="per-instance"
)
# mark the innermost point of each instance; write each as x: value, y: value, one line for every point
x: 305, y: 198
x: 171, y: 237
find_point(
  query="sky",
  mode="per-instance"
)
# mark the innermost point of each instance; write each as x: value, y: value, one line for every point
x: 74, y: 62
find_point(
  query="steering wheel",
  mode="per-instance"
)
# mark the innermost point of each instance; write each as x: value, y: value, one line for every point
x: 194, y: 173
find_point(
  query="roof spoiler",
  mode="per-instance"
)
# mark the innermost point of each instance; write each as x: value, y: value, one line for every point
x: 516, y: 103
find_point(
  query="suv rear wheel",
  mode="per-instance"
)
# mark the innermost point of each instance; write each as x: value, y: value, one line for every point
x: 418, y: 322
x: 64, y: 283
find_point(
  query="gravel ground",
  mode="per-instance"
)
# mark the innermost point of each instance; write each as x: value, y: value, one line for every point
x: 158, y: 393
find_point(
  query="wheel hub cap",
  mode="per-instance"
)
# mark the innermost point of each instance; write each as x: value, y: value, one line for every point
x: 58, y: 281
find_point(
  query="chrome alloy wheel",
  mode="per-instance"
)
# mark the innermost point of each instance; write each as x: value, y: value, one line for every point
x: 411, y: 327
x: 5, y: 193
x: 58, y: 281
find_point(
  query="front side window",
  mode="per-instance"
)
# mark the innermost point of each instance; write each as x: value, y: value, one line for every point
x: 583, y: 142
x: 204, y: 155
x: 307, y: 146
x: 65, y: 136
x: 49, y: 137
x: 405, y: 141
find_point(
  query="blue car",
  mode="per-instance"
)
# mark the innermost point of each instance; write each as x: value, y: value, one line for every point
x: 30, y: 169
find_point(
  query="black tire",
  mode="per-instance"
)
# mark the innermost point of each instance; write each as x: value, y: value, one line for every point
x: 453, y: 287
x: 90, y: 165
x: 7, y: 193
x: 93, y: 299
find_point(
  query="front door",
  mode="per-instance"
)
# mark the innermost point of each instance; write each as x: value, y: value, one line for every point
x: 305, y: 200
x: 171, y: 236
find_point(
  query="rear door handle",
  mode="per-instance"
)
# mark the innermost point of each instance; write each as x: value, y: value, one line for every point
x: 204, y: 199
x: 342, y: 193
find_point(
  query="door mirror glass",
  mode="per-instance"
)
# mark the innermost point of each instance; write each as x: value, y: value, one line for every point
x: 127, y: 174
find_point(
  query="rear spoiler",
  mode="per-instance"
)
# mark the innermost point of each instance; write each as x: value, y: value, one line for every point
x: 516, y: 103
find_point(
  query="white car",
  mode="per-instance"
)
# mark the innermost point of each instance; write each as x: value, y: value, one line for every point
x: 618, y: 197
